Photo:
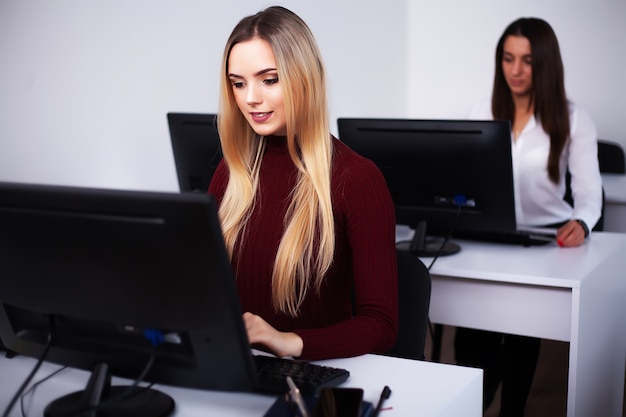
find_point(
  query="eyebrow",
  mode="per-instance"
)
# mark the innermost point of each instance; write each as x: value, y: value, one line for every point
x: 256, y: 74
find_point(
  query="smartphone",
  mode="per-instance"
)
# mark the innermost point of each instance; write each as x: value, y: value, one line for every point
x: 339, y: 402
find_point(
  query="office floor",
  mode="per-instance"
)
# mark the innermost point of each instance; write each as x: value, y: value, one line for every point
x: 548, y: 395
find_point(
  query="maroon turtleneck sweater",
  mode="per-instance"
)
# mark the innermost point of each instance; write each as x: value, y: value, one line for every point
x: 364, y: 256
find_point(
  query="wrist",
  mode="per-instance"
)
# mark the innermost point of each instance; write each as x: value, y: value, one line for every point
x: 583, y: 225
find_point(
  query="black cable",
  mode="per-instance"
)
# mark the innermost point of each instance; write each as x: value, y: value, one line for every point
x: 128, y: 392
x: 34, y: 387
x: 21, y: 389
x: 443, y: 245
x: 447, y: 238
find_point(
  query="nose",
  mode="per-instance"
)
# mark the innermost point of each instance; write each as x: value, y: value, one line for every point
x: 253, y: 95
x: 517, y: 66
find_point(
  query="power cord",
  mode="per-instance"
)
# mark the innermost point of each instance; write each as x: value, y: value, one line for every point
x: 33, y: 388
x: 156, y: 338
x: 30, y: 376
x: 459, y: 205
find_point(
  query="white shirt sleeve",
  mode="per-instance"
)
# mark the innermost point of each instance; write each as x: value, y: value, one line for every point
x: 582, y: 159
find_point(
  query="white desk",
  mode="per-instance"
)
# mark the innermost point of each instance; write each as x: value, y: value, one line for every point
x: 615, y: 202
x: 576, y: 295
x: 418, y: 389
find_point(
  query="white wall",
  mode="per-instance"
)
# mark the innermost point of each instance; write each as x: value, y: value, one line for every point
x: 452, y: 46
x: 85, y: 84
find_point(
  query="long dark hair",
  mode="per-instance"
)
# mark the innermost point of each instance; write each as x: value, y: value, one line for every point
x: 548, y: 89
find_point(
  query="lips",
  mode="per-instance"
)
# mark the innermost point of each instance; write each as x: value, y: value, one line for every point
x: 260, y: 117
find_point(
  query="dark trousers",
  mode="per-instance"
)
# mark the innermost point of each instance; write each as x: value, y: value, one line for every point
x: 504, y: 358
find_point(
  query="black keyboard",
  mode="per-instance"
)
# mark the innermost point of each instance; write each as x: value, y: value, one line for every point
x: 517, y: 237
x: 308, y: 377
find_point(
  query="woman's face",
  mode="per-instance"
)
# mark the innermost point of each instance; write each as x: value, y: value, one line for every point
x: 517, y: 65
x: 254, y: 79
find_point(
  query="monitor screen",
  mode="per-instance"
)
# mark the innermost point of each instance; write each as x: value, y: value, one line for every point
x: 114, y: 277
x: 196, y: 148
x: 444, y: 176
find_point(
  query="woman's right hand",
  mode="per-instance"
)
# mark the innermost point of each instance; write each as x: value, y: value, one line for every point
x: 281, y: 344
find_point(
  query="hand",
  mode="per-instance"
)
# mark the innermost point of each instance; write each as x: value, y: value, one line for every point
x: 280, y: 343
x: 571, y: 234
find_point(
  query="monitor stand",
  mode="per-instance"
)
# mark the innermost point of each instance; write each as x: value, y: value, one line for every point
x: 144, y: 402
x: 428, y: 246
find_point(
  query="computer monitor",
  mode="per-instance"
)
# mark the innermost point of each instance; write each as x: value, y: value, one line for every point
x: 103, y: 273
x: 444, y: 176
x: 196, y: 147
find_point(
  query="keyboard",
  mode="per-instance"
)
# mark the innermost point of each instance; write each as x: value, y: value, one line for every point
x: 517, y: 237
x: 308, y: 377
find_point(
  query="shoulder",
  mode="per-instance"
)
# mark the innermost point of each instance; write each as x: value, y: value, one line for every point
x: 359, y: 189
x: 578, y: 113
x: 580, y: 120
x: 355, y: 177
x: 349, y: 165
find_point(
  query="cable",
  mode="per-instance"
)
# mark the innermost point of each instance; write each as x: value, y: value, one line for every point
x: 448, y: 236
x: 34, y: 387
x: 21, y: 389
x: 128, y: 392
x: 443, y: 245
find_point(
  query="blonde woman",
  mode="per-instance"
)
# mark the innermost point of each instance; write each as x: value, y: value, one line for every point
x: 306, y: 220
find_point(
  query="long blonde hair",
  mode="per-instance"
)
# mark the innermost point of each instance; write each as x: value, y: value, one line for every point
x: 306, y: 248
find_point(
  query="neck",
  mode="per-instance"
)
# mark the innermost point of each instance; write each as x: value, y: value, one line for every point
x: 523, y: 104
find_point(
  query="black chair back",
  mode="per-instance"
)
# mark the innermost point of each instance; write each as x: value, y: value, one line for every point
x: 611, y: 157
x: 414, y: 287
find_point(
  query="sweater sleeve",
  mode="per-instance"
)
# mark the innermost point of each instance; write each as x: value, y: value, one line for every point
x: 369, y: 221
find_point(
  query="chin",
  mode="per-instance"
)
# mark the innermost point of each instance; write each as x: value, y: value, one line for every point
x: 268, y: 131
x: 520, y: 91
x: 265, y: 132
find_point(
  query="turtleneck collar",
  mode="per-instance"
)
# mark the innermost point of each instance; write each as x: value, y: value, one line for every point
x: 276, y: 141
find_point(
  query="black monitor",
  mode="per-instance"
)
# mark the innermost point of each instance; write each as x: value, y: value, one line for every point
x: 445, y: 176
x: 196, y: 147
x: 111, y: 277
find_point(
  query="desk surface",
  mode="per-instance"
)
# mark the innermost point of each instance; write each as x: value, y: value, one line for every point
x: 544, y: 265
x: 418, y: 388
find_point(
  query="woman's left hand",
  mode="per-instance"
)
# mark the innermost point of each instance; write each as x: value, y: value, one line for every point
x: 570, y: 235
x: 280, y: 343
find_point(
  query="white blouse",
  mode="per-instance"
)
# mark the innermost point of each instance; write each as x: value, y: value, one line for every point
x: 538, y: 201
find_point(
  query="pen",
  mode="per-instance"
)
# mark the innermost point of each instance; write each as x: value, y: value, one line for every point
x: 383, y: 396
x: 296, y: 397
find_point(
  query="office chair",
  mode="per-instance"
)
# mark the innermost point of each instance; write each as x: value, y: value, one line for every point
x: 414, y: 287
x: 611, y: 157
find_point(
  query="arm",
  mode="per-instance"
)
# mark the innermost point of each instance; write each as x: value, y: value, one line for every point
x: 583, y: 165
x: 369, y: 230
